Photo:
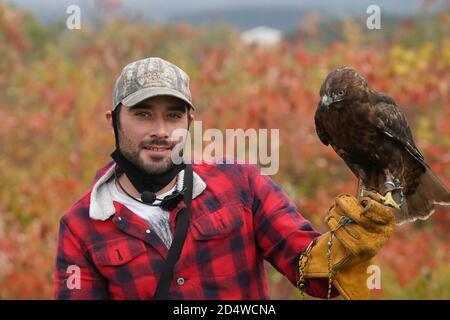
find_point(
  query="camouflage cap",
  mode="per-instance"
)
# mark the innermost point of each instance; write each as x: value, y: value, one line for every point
x: 150, y: 77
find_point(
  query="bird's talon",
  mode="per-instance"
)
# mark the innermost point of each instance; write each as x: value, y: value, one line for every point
x: 388, y: 200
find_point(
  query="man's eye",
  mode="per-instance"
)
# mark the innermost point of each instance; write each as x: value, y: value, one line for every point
x: 174, y: 115
x: 142, y: 114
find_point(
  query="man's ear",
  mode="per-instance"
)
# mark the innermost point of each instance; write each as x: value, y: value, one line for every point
x: 108, y: 115
x: 190, y: 119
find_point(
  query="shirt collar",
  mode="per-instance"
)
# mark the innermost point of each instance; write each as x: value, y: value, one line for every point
x: 102, y: 207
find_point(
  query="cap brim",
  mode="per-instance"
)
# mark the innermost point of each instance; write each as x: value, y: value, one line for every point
x: 146, y: 93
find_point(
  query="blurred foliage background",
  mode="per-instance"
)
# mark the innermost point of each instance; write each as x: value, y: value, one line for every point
x: 55, y: 86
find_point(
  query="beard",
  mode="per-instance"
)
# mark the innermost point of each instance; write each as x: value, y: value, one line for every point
x: 151, y: 165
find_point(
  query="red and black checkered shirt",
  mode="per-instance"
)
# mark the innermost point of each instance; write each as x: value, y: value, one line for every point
x: 239, y: 220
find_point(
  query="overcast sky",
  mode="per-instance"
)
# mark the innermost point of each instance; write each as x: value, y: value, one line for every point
x: 161, y: 9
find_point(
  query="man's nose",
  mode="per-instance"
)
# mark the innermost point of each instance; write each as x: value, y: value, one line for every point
x: 159, y: 128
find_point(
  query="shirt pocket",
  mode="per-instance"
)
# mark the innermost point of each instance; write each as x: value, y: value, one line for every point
x: 219, y: 243
x: 117, y: 253
x: 218, y: 224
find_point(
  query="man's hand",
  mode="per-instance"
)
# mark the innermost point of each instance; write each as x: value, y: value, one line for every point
x: 357, y: 232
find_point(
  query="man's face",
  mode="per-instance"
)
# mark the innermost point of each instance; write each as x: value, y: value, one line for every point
x: 145, y: 132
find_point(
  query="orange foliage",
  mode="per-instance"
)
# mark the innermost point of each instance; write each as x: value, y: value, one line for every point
x: 54, y: 135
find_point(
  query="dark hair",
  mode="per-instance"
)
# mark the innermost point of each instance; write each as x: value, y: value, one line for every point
x: 116, y: 115
x: 116, y: 124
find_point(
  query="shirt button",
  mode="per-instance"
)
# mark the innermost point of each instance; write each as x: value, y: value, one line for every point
x: 180, y: 281
x: 147, y: 231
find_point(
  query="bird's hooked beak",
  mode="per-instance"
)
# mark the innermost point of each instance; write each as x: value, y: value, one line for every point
x: 326, y: 100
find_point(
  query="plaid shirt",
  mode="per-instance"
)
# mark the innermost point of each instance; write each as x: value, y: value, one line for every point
x: 239, y: 219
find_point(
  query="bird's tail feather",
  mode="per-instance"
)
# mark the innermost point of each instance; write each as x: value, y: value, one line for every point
x: 420, y: 205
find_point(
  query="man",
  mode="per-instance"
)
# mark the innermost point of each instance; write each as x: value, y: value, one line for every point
x: 114, y: 241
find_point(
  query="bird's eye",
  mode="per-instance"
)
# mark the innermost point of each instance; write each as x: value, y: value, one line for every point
x: 341, y: 92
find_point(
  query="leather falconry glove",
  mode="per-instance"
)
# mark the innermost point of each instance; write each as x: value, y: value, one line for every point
x: 357, y: 232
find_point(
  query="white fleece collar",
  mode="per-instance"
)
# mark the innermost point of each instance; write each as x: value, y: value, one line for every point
x: 102, y: 207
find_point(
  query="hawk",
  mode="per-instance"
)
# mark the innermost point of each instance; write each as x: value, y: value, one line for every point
x: 370, y: 133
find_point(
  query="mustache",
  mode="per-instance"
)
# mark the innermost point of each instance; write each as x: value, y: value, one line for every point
x: 159, y: 142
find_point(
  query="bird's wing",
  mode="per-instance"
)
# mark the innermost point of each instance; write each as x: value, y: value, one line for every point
x: 390, y: 120
x: 359, y: 171
x: 321, y: 133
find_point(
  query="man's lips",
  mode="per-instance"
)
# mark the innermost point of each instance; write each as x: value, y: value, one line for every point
x: 157, y: 148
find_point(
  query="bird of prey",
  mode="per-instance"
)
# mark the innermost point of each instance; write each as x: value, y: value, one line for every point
x: 371, y: 134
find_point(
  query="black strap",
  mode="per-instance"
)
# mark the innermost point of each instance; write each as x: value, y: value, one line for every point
x: 181, y: 226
